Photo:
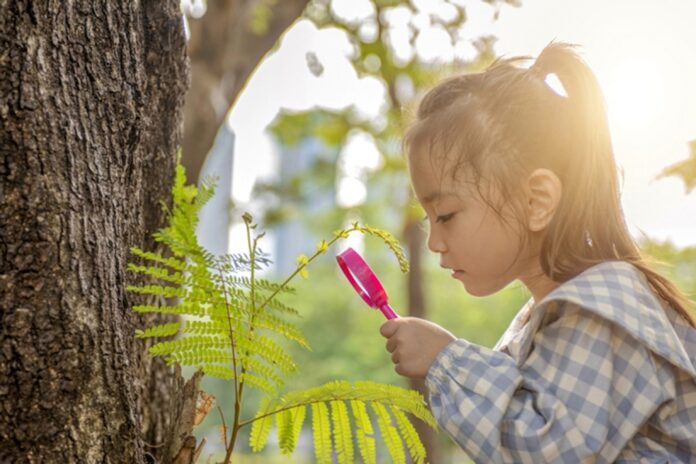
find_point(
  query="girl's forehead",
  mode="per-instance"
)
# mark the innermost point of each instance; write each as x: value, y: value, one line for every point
x: 435, y: 180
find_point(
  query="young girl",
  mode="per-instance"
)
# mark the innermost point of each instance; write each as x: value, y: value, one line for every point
x: 519, y: 181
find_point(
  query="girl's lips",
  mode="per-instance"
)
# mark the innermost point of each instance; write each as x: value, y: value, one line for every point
x: 457, y: 273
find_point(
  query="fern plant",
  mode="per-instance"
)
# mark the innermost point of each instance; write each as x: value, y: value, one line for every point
x: 232, y: 324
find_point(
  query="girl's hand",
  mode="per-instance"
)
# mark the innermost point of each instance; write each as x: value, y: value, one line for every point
x: 414, y: 343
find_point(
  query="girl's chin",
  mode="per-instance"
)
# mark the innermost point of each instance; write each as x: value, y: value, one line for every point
x: 477, y: 289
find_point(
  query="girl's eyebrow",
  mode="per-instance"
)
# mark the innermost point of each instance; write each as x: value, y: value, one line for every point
x: 437, y: 195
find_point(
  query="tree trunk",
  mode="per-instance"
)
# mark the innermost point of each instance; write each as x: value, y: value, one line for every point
x: 415, y: 240
x: 226, y: 45
x: 91, y: 100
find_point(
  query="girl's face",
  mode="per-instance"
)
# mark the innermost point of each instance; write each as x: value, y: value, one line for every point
x: 482, y: 250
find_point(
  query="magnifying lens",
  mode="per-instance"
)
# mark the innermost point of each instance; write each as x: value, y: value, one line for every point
x: 364, y: 281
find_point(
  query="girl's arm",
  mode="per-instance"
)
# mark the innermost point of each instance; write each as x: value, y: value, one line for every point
x: 583, y: 392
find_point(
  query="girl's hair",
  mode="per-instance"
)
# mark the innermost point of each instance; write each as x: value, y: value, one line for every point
x: 503, y: 123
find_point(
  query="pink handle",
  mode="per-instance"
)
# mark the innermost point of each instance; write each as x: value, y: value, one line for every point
x: 388, y: 312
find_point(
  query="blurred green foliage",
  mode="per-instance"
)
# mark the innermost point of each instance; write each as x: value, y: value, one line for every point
x: 685, y: 169
x: 374, y: 56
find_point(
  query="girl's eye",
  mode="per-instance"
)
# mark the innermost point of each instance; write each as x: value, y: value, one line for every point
x: 444, y: 218
x: 441, y: 219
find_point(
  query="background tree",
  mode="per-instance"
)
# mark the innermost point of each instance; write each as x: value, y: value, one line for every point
x: 226, y: 44
x: 91, y: 100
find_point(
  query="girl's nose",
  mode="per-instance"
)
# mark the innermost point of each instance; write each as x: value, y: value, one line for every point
x: 435, y: 242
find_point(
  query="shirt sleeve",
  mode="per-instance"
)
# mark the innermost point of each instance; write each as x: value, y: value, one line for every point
x: 583, y: 391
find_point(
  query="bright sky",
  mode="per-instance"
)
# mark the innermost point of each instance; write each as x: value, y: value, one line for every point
x: 643, y: 53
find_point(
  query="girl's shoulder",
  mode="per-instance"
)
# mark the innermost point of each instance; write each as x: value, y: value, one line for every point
x: 619, y: 293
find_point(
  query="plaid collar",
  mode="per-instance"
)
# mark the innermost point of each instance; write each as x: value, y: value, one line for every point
x: 619, y: 292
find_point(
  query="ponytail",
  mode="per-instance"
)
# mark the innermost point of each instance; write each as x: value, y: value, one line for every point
x: 590, y: 227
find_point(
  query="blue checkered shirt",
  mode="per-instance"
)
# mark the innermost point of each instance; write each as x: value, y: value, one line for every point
x: 600, y: 372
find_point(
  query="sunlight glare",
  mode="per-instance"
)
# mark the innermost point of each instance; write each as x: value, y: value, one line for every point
x: 635, y: 95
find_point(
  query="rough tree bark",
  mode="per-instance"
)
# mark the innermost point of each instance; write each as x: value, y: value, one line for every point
x: 91, y: 100
x: 224, y: 51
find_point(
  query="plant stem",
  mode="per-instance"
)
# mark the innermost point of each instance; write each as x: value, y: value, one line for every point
x: 299, y: 268
x: 240, y: 391
x: 224, y: 427
x: 237, y: 386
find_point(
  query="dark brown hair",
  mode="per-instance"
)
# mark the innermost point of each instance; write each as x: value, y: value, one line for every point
x: 503, y: 123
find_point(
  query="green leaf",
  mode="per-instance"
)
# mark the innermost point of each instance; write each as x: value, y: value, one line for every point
x: 289, y: 424
x: 363, y: 432
x: 321, y: 432
x: 343, y: 439
x: 410, y: 436
x: 258, y: 382
x: 163, y: 330
x: 389, y: 433
x: 220, y: 372
x: 261, y: 428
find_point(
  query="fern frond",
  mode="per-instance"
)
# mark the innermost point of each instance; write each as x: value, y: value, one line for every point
x: 389, y: 433
x: 409, y: 401
x: 255, y: 365
x: 261, y: 320
x: 178, y: 239
x: 321, y: 433
x: 201, y: 356
x: 163, y: 330
x: 410, y: 436
x: 268, y: 350
x: 289, y: 424
x: 220, y: 372
x: 206, y: 190
x: 288, y: 330
x: 389, y: 240
x: 173, y: 263
x: 277, y: 305
x: 188, y: 308
x: 159, y: 290
x: 259, y: 284
x: 259, y: 383
x: 363, y: 432
x: 187, y: 344
x: 226, y: 373
x: 382, y: 398
x: 196, y: 296
x: 180, y: 234
x: 176, y: 278
x: 159, y: 273
x: 206, y: 327
x: 343, y: 439
x: 261, y: 427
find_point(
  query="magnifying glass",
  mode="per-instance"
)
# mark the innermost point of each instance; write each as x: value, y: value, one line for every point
x: 364, y: 281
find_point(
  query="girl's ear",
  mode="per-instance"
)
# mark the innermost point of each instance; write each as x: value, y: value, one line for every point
x: 544, y: 190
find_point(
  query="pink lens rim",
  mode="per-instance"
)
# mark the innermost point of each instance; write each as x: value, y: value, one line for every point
x: 354, y: 267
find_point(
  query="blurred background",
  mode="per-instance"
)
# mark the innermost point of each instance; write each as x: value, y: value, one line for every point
x: 298, y: 108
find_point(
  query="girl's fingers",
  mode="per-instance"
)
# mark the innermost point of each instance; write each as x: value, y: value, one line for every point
x: 391, y: 345
x: 389, y: 328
